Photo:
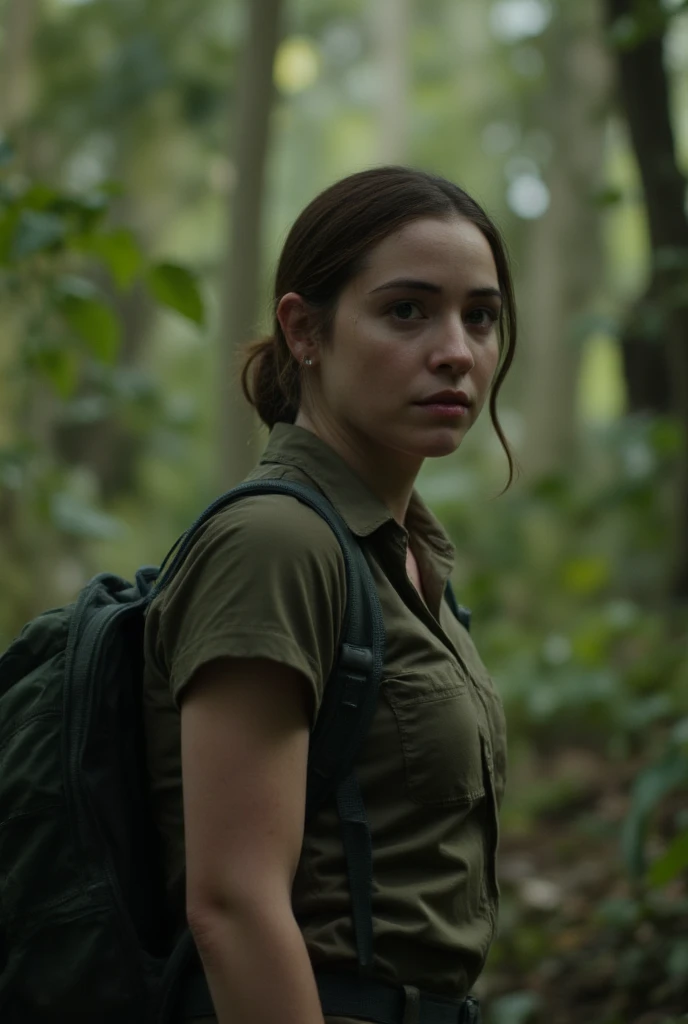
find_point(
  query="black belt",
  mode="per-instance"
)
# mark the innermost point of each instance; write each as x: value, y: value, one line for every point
x: 343, y: 995
x: 346, y: 995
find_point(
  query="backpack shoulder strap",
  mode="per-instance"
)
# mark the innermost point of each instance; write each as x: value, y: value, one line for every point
x: 461, y: 613
x: 351, y: 692
x: 349, y: 699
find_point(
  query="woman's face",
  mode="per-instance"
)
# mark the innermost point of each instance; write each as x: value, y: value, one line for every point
x: 414, y: 344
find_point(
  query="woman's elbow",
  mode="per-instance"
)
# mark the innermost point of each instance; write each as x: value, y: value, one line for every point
x: 211, y: 912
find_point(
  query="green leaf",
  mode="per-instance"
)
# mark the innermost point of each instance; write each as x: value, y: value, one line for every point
x: 609, y: 195
x: 84, y: 212
x: 671, y: 863
x: 75, y: 517
x: 585, y: 576
x: 39, y: 197
x: 60, y: 367
x: 552, y: 488
x: 119, y: 250
x: 665, y: 437
x: 176, y: 287
x: 650, y: 788
x: 36, y: 231
x: 90, y: 318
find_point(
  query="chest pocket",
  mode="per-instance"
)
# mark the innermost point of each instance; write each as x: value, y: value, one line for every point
x: 440, y: 738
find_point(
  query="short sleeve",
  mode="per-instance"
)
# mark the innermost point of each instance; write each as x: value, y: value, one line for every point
x: 264, y: 579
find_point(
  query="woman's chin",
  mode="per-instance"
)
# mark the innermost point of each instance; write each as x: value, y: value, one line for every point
x: 426, y: 445
x: 435, y: 449
x: 441, y: 442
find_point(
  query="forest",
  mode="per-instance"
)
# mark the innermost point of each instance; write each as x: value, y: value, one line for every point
x: 153, y: 154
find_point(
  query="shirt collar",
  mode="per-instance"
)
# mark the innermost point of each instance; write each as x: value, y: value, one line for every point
x: 361, y: 510
x: 429, y: 533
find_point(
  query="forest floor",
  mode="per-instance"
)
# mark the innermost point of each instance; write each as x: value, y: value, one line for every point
x: 577, y: 941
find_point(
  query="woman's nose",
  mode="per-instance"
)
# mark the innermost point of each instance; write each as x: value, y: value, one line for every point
x: 453, y: 348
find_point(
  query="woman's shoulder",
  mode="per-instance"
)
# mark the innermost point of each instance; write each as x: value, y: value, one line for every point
x: 259, y: 540
x: 265, y: 577
x: 273, y: 523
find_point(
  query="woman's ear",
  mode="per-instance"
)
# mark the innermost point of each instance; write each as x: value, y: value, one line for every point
x: 296, y: 322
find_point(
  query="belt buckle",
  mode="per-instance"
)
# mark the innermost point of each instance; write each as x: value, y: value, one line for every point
x: 470, y: 1011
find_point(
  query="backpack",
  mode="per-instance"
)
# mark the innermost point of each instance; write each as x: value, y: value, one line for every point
x: 83, y: 932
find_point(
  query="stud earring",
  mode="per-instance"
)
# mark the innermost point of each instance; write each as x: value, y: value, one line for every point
x: 308, y: 361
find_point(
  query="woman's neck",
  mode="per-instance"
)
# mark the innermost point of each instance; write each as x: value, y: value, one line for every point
x: 386, y: 478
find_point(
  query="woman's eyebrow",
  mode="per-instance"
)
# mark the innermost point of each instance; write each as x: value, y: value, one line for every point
x: 478, y: 293
x: 427, y: 286
x: 408, y: 282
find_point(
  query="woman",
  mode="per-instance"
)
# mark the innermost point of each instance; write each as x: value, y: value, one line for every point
x: 394, y: 322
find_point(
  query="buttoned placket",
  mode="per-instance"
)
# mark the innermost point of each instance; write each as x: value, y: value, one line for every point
x: 396, y: 563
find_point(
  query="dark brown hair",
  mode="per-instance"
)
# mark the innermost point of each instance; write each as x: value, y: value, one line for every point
x: 326, y: 248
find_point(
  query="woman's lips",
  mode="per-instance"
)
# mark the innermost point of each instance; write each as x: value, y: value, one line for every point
x: 445, y: 410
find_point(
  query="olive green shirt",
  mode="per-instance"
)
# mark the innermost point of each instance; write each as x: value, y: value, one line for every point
x: 266, y: 579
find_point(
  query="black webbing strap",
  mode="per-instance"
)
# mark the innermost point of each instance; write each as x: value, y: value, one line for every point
x: 358, y: 849
x: 347, y: 710
x: 345, y: 995
x: 348, y: 704
x: 462, y: 614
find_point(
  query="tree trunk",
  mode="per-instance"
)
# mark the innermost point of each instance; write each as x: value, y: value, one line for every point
x: 15, y: 63
x: 393, y: 29
x: 564, y: 260
x: 241, y: 286
x: 645, y: 96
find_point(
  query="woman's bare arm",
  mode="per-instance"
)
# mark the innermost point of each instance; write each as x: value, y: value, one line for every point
x: 245, y: 729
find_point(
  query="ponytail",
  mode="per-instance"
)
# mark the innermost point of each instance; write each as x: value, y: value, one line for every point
x: 270, y: 380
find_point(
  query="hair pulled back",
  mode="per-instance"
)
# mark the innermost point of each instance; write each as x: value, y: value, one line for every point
x: 326, y: 248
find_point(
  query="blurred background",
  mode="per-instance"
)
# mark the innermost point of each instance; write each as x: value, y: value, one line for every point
x: 153, y: 154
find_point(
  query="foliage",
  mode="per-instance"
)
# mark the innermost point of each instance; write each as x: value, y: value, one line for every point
x: 62, y: 268
x: 565, y: 574
x: 565, y: 578
x: 568, y: 571
x: 646, y: 19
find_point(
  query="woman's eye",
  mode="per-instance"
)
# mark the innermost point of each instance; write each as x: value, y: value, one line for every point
x: 482, y: 317
x: 406, y: 311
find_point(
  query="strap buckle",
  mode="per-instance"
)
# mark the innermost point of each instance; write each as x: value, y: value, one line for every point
x: 411, y: 1005
x: 355, y: 668
x: 470, y: 1011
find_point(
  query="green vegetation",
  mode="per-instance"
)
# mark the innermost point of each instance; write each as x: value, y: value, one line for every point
x: 564, y: 576
x: 120, y: 128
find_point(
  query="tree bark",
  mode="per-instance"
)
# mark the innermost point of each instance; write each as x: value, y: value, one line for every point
x: 644, y: 97
x: 564, y: 260
x: 644, y: 93
x: 241, y: 286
